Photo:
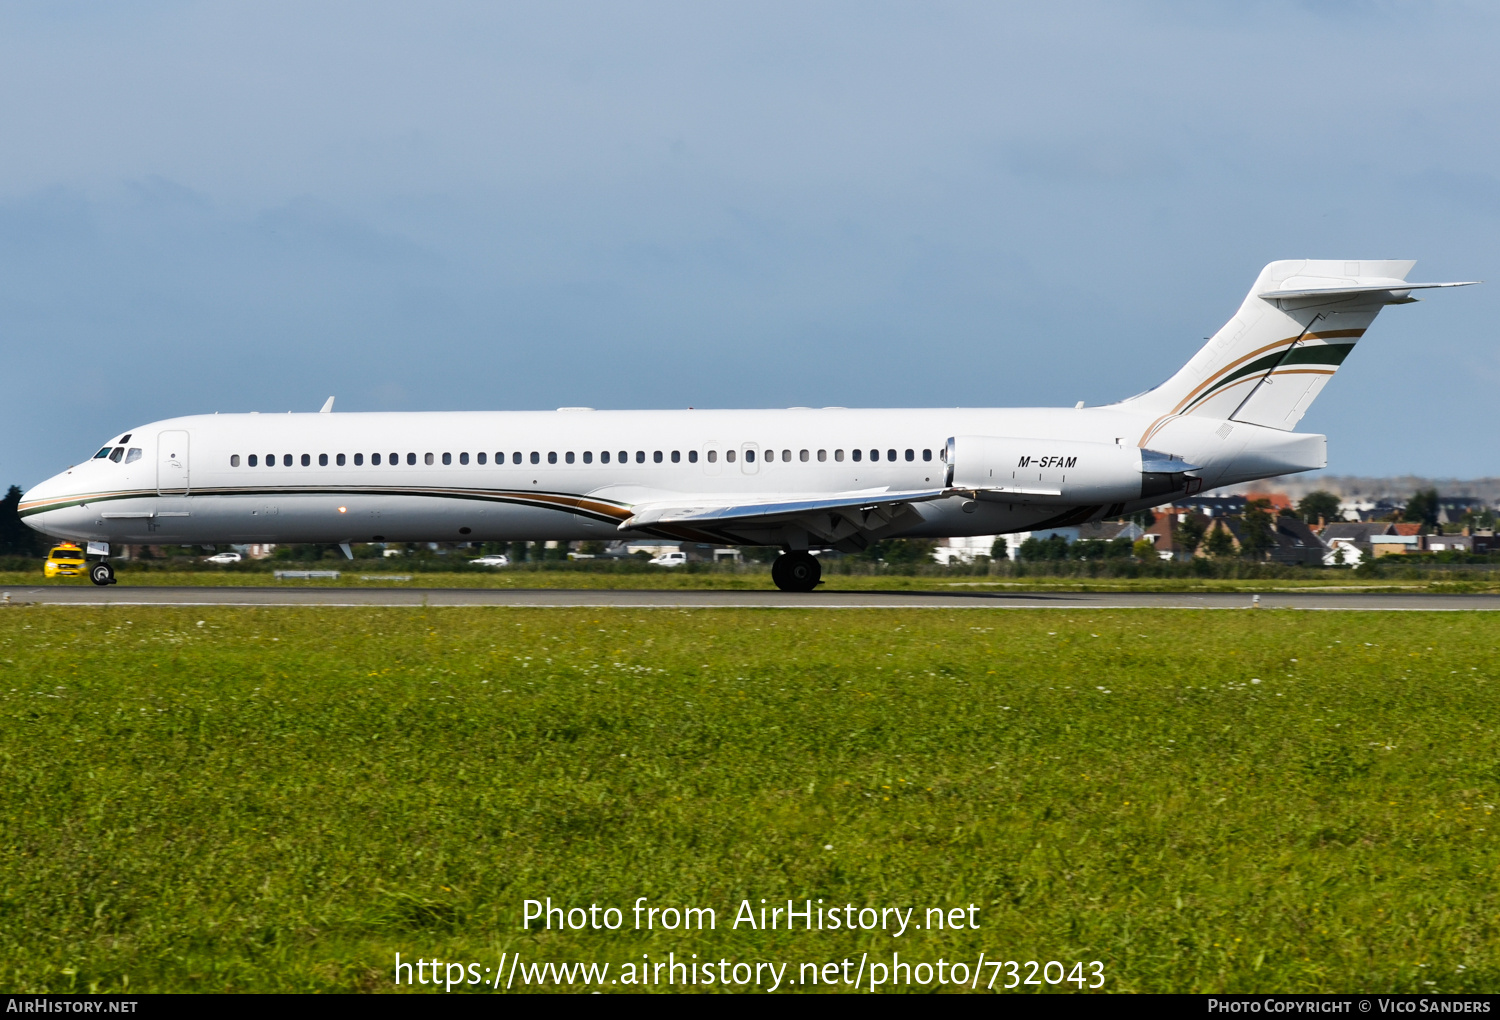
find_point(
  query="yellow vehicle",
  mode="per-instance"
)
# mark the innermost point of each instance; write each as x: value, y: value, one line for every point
x: 65, y: 560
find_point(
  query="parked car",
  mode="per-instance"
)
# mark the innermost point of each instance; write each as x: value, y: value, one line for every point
x: 495, y: 560
x: 670, y: 559
x: 224, y: 557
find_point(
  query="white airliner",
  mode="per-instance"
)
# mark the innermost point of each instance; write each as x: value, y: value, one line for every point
x: 801, y: 479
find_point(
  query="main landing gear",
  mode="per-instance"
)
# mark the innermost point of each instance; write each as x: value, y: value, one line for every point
x: 796, y: 571
x: 102, y: 573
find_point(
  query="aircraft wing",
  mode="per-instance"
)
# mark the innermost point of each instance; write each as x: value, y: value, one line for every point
x: 830, y: 519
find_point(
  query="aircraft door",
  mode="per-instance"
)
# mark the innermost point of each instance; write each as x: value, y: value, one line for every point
x: 172, y: 463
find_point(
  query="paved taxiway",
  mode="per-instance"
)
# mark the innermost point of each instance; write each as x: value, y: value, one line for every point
x: 124, y: 595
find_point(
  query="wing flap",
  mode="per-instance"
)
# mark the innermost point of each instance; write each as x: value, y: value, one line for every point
x: 712, y: 512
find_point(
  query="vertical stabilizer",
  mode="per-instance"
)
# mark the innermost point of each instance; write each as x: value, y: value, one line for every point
x: 1296, y: 326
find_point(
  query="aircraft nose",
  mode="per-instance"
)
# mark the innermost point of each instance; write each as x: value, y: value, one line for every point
x: 36, y: 499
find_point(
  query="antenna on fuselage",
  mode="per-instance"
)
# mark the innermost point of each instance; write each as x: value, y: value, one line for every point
x: 327, y: 407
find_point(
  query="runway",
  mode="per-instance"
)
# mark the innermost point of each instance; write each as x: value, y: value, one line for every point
x: 658, y: 599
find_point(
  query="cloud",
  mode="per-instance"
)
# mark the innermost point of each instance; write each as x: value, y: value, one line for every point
x: 236, y: 206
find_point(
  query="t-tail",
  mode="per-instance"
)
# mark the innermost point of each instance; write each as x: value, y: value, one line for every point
x: 1293, y: 331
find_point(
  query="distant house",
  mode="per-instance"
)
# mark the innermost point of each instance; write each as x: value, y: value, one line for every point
x: 1104, y: 531
x: 1293, y: 542
x: 1395, y: 545
x: 967, y: 548
x: 1277, y: 500
x: 1356, y: 509
x: 1343, y: 552
x: 1480, y: 542
x: 1354, y: 535
x: 1101, y: 531
x: 1453, y: 508
x: 1296, y: 543
x: 1162, y: 532
x: 1212, y: 506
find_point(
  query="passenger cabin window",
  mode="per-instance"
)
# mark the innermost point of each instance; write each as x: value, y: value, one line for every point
x: 749, y: 457
x: 692, y: 456
x: 729, y: 456
x: 786, y: 456
x: 552, y: 458
x: 676, y: 456
x: 306, y: 460
x: 252, y: 460
x: 568, y: 457
x: 447, y: 459
x: 427, y: 459
x: 603, y: 456
x: 286, y: 460
x: 359, y: 459
x: 463, y: 458
x: 395, y: 459
x: 624, y: 456
x: 536, y: 458
x: 375, y: 459
x: 713, y: 456
x: 481, y: 457
x: 322, y: 460
x: 858, y: 454
x: 926, y: 454
x: 515, y: 458
x: 640, y: 456
x: 822, y: 455
x: 588, y: 456
x: 234, y: 460
x: 839, y: 455
x: 656, y: 457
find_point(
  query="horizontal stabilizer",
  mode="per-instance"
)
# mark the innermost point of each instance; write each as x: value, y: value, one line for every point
x: 1396, y: 289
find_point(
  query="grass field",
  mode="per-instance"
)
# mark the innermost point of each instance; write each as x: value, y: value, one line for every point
x: 284, y: 799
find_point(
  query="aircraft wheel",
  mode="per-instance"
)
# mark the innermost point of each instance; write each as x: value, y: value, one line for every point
x: 796, y: 571
x: 102, y: 573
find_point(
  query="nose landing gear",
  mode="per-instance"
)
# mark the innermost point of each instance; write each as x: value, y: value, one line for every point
x: 796, y: 571
x: 102, y: 574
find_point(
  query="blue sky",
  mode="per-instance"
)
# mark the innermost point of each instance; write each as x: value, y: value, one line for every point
x: 462, y: 206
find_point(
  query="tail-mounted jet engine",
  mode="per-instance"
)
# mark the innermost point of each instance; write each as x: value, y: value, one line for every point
x: 1064, y: 471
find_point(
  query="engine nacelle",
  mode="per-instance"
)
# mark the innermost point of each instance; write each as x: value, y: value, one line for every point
x: 1063, y: 471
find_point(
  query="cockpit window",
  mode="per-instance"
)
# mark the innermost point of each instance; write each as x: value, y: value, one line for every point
x: 132, y: 455
x: 117, y: 454
x: 103, y: 453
